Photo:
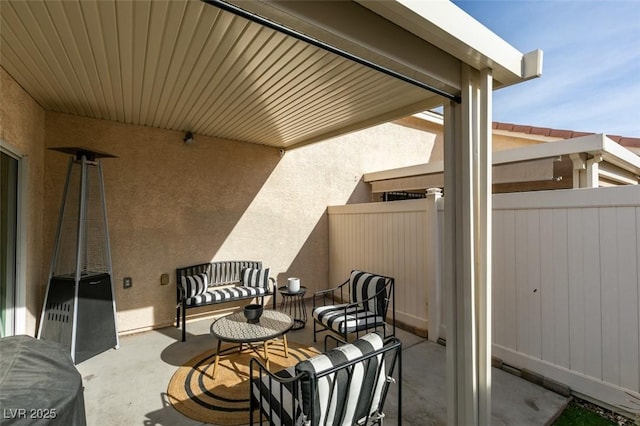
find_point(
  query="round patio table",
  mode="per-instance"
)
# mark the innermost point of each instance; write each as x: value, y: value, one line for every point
x: 234, y: 328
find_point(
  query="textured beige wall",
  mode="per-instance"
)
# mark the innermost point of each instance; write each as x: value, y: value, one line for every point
x: 436, y: 131
x: 171, y: 204
x: 22, y: 129
x: 501, y: 142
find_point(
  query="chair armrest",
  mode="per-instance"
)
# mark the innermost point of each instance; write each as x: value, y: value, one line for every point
x: 338, y: 341
x: 379, y: 295
x: 273, y: 290
x: 332, y: 291
x: 347, y: 305
x: 258, y: 369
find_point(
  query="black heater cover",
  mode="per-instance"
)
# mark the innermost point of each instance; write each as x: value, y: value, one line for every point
x: 79, y: 307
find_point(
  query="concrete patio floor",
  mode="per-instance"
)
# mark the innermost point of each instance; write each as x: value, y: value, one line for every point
x: 128, y: 386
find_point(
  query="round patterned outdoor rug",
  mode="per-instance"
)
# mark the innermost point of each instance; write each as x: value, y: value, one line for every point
x: 225, y: 399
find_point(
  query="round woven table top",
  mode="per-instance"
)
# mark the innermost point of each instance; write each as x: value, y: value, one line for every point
x: 235, y: 328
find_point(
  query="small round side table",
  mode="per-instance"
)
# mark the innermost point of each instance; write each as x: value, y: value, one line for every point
x: 293, y: 305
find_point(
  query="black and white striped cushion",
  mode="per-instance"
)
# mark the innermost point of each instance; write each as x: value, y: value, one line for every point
x: 343, y: 397
x: 252, y: 277
x: 364, y: 286
x: 217, y: 295
x: 333, y: 317
x: 193, y: 285
x: 225, y: 272
x: 279, y: 401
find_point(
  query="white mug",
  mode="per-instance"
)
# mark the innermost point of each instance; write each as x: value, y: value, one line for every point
x: 294, y: 285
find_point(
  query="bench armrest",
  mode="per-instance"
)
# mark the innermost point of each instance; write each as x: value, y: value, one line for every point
x: 273, y: 290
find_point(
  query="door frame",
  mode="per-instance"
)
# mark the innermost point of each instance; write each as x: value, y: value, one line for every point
x: 20, y: 296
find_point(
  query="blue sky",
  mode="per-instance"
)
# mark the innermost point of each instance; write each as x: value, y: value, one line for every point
x: 591, y: 65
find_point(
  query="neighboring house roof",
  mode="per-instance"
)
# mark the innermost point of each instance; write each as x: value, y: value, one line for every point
x: 562, y: 134
x: 585, y: 161
x: 544, y: 133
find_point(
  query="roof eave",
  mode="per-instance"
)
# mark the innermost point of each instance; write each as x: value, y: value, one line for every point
x: 426, y: 41
x: 597, y: 144
x: 449, y: 28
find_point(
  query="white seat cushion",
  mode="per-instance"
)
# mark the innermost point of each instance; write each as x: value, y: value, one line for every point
x: 356, y: 318
x: 216, y: 295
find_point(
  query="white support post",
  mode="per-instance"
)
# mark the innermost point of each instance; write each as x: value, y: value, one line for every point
x: 579, y: 169
x: 432, y: 264
x: 468, y: 250
x: 484, y: 243
x: 593, y: 171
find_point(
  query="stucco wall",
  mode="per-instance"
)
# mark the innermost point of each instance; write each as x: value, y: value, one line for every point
x: 22, y: 130
x: 170, y: 204
x: 436, y: 131
x: 501, y: 142
x: 424, y: 128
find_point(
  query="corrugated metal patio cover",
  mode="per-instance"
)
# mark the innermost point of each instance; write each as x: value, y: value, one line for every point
x: 191, y: 66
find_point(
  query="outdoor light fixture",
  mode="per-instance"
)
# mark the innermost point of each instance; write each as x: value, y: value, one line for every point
x: 188, y: 138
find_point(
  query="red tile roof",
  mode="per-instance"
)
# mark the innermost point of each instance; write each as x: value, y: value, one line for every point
x: 558, y: 133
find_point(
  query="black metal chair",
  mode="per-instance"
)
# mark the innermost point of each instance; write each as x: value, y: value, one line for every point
x: 358, y: 305
x: 347, y: 385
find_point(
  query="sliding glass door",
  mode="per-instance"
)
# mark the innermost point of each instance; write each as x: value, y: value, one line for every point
x: 8, y: 243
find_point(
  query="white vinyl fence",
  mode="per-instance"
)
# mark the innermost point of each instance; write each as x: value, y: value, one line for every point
x: 566, y: 278
x: 387, y: 239
x: 565, y: 287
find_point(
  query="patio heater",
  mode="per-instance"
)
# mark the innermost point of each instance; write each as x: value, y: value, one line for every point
x: 79, y: 307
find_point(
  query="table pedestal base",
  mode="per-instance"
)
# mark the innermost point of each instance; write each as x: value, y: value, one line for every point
x: 255, y: 348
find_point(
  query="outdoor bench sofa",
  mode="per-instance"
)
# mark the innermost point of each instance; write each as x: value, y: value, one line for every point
x: 346, y: 385
x: 213, y: 283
